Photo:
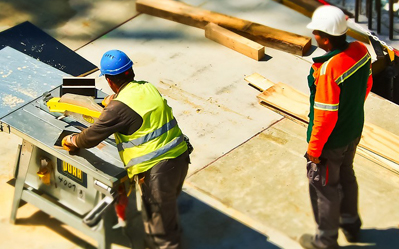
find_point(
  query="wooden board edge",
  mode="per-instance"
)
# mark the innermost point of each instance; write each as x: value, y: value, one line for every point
x: 376, y: 159
x: 259, y: 82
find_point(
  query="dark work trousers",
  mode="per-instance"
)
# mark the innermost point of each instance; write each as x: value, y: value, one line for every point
x: 162, y: 185
x: 336, y: 202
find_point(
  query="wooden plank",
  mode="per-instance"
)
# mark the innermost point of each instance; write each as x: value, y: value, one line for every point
x: 234, y: 41
x: 197, y: 17
x: 259, y: 82
x: 380, y: 141
x: 287, y: 100
x: 380, y: 161
x: 294, y: 103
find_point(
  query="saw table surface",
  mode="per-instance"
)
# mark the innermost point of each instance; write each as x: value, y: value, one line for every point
x: 42, y: 129
x: 24, y: 80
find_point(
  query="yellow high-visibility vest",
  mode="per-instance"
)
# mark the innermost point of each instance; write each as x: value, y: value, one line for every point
x: 158, y: 138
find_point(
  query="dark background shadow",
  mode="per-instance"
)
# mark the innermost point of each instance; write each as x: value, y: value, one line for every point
x: 377, y: 239
x: 203, y: 228
x: 207, y: 228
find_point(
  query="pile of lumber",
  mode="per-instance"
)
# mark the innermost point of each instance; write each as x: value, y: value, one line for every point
x: 295, y: 105
x: 241, y: 35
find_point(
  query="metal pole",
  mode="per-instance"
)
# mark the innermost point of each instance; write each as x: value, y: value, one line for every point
x: 357, y: 3
x: 378, y: 9
x: 369, y: 10
x: 390, y: 19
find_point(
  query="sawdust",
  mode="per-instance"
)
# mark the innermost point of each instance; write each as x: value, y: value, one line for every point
x: 6, y: 75
x: 11, y: 101
x: 29, y: 92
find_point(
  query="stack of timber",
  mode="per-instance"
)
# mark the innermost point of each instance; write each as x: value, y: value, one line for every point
x: 307, y: 7
x: 200, y: 18
x: 294, y: 104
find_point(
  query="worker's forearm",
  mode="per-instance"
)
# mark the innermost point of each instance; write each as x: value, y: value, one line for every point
x: 90, y: 137
x: 324, y: 123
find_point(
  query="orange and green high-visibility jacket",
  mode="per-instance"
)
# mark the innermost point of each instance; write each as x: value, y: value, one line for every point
x: 339, y: 83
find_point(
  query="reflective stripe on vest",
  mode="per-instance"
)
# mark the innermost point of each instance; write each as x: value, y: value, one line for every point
x: 353, y: 69
x: 156, y: 153
x: 323, y: 69
x: 158, y: 132
x: 158, y: 138
x: 326, y: 107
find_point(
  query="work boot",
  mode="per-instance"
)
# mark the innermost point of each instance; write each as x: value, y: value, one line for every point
x: 307, y: 242
x: 352, y: 231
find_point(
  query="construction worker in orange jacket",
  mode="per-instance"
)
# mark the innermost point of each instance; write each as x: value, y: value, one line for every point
x: 339, y: 83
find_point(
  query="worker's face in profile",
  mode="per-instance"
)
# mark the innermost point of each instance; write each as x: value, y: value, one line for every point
x: 321, y: 42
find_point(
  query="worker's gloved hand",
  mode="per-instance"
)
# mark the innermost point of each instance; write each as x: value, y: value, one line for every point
x: 68, y: 143
x: 313, y: 159
x: 316, y: 160
x: 107, y: 99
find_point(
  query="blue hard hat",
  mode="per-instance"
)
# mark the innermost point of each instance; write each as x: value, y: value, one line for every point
x: 115, y: 62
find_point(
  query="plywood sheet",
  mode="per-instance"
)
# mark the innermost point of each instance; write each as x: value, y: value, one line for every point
x: 74, y: 23
x: 265, y: 180
x: 201, y: 81
x: 32, y: 41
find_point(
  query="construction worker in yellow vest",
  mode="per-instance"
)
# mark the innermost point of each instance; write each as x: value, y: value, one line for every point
x: 339, y: 82
x: 150, y: 144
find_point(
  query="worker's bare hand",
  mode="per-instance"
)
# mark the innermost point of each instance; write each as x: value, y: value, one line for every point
x: 68, y: 144
x: 107, y: 99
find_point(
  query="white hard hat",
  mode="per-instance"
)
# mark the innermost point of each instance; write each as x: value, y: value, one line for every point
x: 329, y: 19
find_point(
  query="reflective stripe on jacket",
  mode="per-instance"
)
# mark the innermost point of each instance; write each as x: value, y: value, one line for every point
x: 339, y: 83
x: 158, y: 138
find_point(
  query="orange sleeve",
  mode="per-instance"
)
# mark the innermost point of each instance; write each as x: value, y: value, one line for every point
x: 325, y: 113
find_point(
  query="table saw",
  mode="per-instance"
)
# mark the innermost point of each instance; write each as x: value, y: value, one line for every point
x: 77, y: 189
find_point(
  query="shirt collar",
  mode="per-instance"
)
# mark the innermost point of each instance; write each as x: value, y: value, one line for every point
x: 123, y: 86
x: 328, y: 55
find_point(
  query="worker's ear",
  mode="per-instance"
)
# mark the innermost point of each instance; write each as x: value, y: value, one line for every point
x: 112, y: 85
x: 327, y: 43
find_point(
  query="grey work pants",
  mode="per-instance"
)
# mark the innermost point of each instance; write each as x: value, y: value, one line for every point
x: 162, y: 185
x: 336, y: 202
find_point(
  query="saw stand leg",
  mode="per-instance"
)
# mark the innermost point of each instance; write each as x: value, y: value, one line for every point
x: 101, y: 238
x: 104, y: 229
x: 101, y: 234
x: 21, y: 171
